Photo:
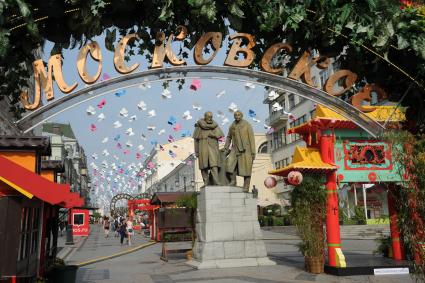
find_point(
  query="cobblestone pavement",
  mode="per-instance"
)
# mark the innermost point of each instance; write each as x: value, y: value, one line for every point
x: 145, y: 265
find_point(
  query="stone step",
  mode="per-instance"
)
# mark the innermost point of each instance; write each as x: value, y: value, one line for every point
x: 347, y: 231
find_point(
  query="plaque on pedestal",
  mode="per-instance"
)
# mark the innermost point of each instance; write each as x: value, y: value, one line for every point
x: 227, y: 229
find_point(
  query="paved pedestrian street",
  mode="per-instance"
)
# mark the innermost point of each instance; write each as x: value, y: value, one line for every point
x: 145, y: 266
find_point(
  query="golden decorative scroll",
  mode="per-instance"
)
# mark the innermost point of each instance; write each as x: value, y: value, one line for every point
x: 236, y: 48
x: 46, y: 81
x: 120, y: 52
x: 350, y: 79
x: 364, y: 95
x: 269, y: 54
x: 160, y: 51
x: 215, y: 38
x: 95, y: 53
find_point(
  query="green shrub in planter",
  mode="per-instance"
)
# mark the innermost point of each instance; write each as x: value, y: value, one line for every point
x: 384, y: 246
x: 308, y: 211
x: 277, y: 221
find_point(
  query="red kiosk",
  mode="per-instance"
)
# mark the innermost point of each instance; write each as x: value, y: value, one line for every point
x: 79, y: 219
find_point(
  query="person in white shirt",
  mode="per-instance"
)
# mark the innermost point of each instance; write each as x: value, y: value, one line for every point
x: 129, y: 229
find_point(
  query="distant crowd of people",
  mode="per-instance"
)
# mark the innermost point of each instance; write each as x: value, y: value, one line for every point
x: 122, y: 227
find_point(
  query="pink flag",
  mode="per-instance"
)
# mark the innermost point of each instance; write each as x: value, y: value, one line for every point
x: 177, y: 127
x: 151, y: 165
x: 195, y: 85
x: 101, y: 104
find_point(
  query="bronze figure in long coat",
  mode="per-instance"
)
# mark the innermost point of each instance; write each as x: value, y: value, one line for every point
x: 206, y: 135
x: 242, y: 153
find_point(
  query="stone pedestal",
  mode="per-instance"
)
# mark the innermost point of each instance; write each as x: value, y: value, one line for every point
x: 227, y: 229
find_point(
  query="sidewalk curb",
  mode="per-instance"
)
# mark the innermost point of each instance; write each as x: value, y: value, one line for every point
x: 69, y: 249
x: 95, y: 260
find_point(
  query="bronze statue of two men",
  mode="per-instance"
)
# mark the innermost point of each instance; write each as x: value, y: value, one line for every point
x: 235, y: 159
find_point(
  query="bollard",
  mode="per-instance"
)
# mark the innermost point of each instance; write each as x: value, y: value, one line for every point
x: 69, y: 235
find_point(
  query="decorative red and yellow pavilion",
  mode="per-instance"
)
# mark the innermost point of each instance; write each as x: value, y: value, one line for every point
x: 344, y: 153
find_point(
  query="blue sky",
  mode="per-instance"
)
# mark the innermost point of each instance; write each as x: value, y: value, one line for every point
x: 181, y: 101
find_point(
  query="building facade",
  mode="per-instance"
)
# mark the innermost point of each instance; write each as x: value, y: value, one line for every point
x: 161, y: 161
x: 65, y: 147
x: 285, y: 112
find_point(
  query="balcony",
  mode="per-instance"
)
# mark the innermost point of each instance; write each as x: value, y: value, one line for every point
x: 276, y: 118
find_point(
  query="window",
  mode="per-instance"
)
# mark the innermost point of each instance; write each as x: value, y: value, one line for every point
x: 78, y: 218
x: 279, y: 138
x: 262, y: 148
x: 275, y: 141
x: 165, y: 187
x: 28, y: 244
x: 286, y: 161
x: 282, y: 133
x: 296, y: 123
x: 291, y: 100
x: 324, y: 75
x: 312, y: 113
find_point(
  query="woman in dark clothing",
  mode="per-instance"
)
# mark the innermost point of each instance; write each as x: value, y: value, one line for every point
x: 122, y: 230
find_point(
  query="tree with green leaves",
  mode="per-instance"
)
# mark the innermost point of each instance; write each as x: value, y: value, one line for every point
x: 381, y: 40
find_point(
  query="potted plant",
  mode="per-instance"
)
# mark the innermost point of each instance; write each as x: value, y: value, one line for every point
x: 308, y: 210
x: 190, y: 202
x: 384, y: 246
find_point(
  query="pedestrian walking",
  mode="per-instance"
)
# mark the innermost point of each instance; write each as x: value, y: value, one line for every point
x: 129, y: 229
x: 112, y: 223
x: 122, y: 231
x: 116, y: 224
x: 61, y: 227
x: 106, y: 226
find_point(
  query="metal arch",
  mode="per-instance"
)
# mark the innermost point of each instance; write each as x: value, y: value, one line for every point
x: 66, y: 102
x: 115, y: 199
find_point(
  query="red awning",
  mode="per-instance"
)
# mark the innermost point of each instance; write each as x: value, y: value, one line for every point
x: 30, y: 184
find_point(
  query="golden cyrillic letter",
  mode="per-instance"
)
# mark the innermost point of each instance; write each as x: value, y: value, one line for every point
x: 364, y: 95
x: 236, y: 48
x: 350, y: 79
x: 119, y: 55
x: 215, y: 38
x: 96, y: 54
x: 270, y: 53
x: 46, y: 81
x: 160, y: 51
x: 303, y: 67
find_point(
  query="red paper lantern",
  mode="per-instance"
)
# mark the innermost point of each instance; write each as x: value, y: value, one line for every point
x: 270, y: 182
x: 295, y: 178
